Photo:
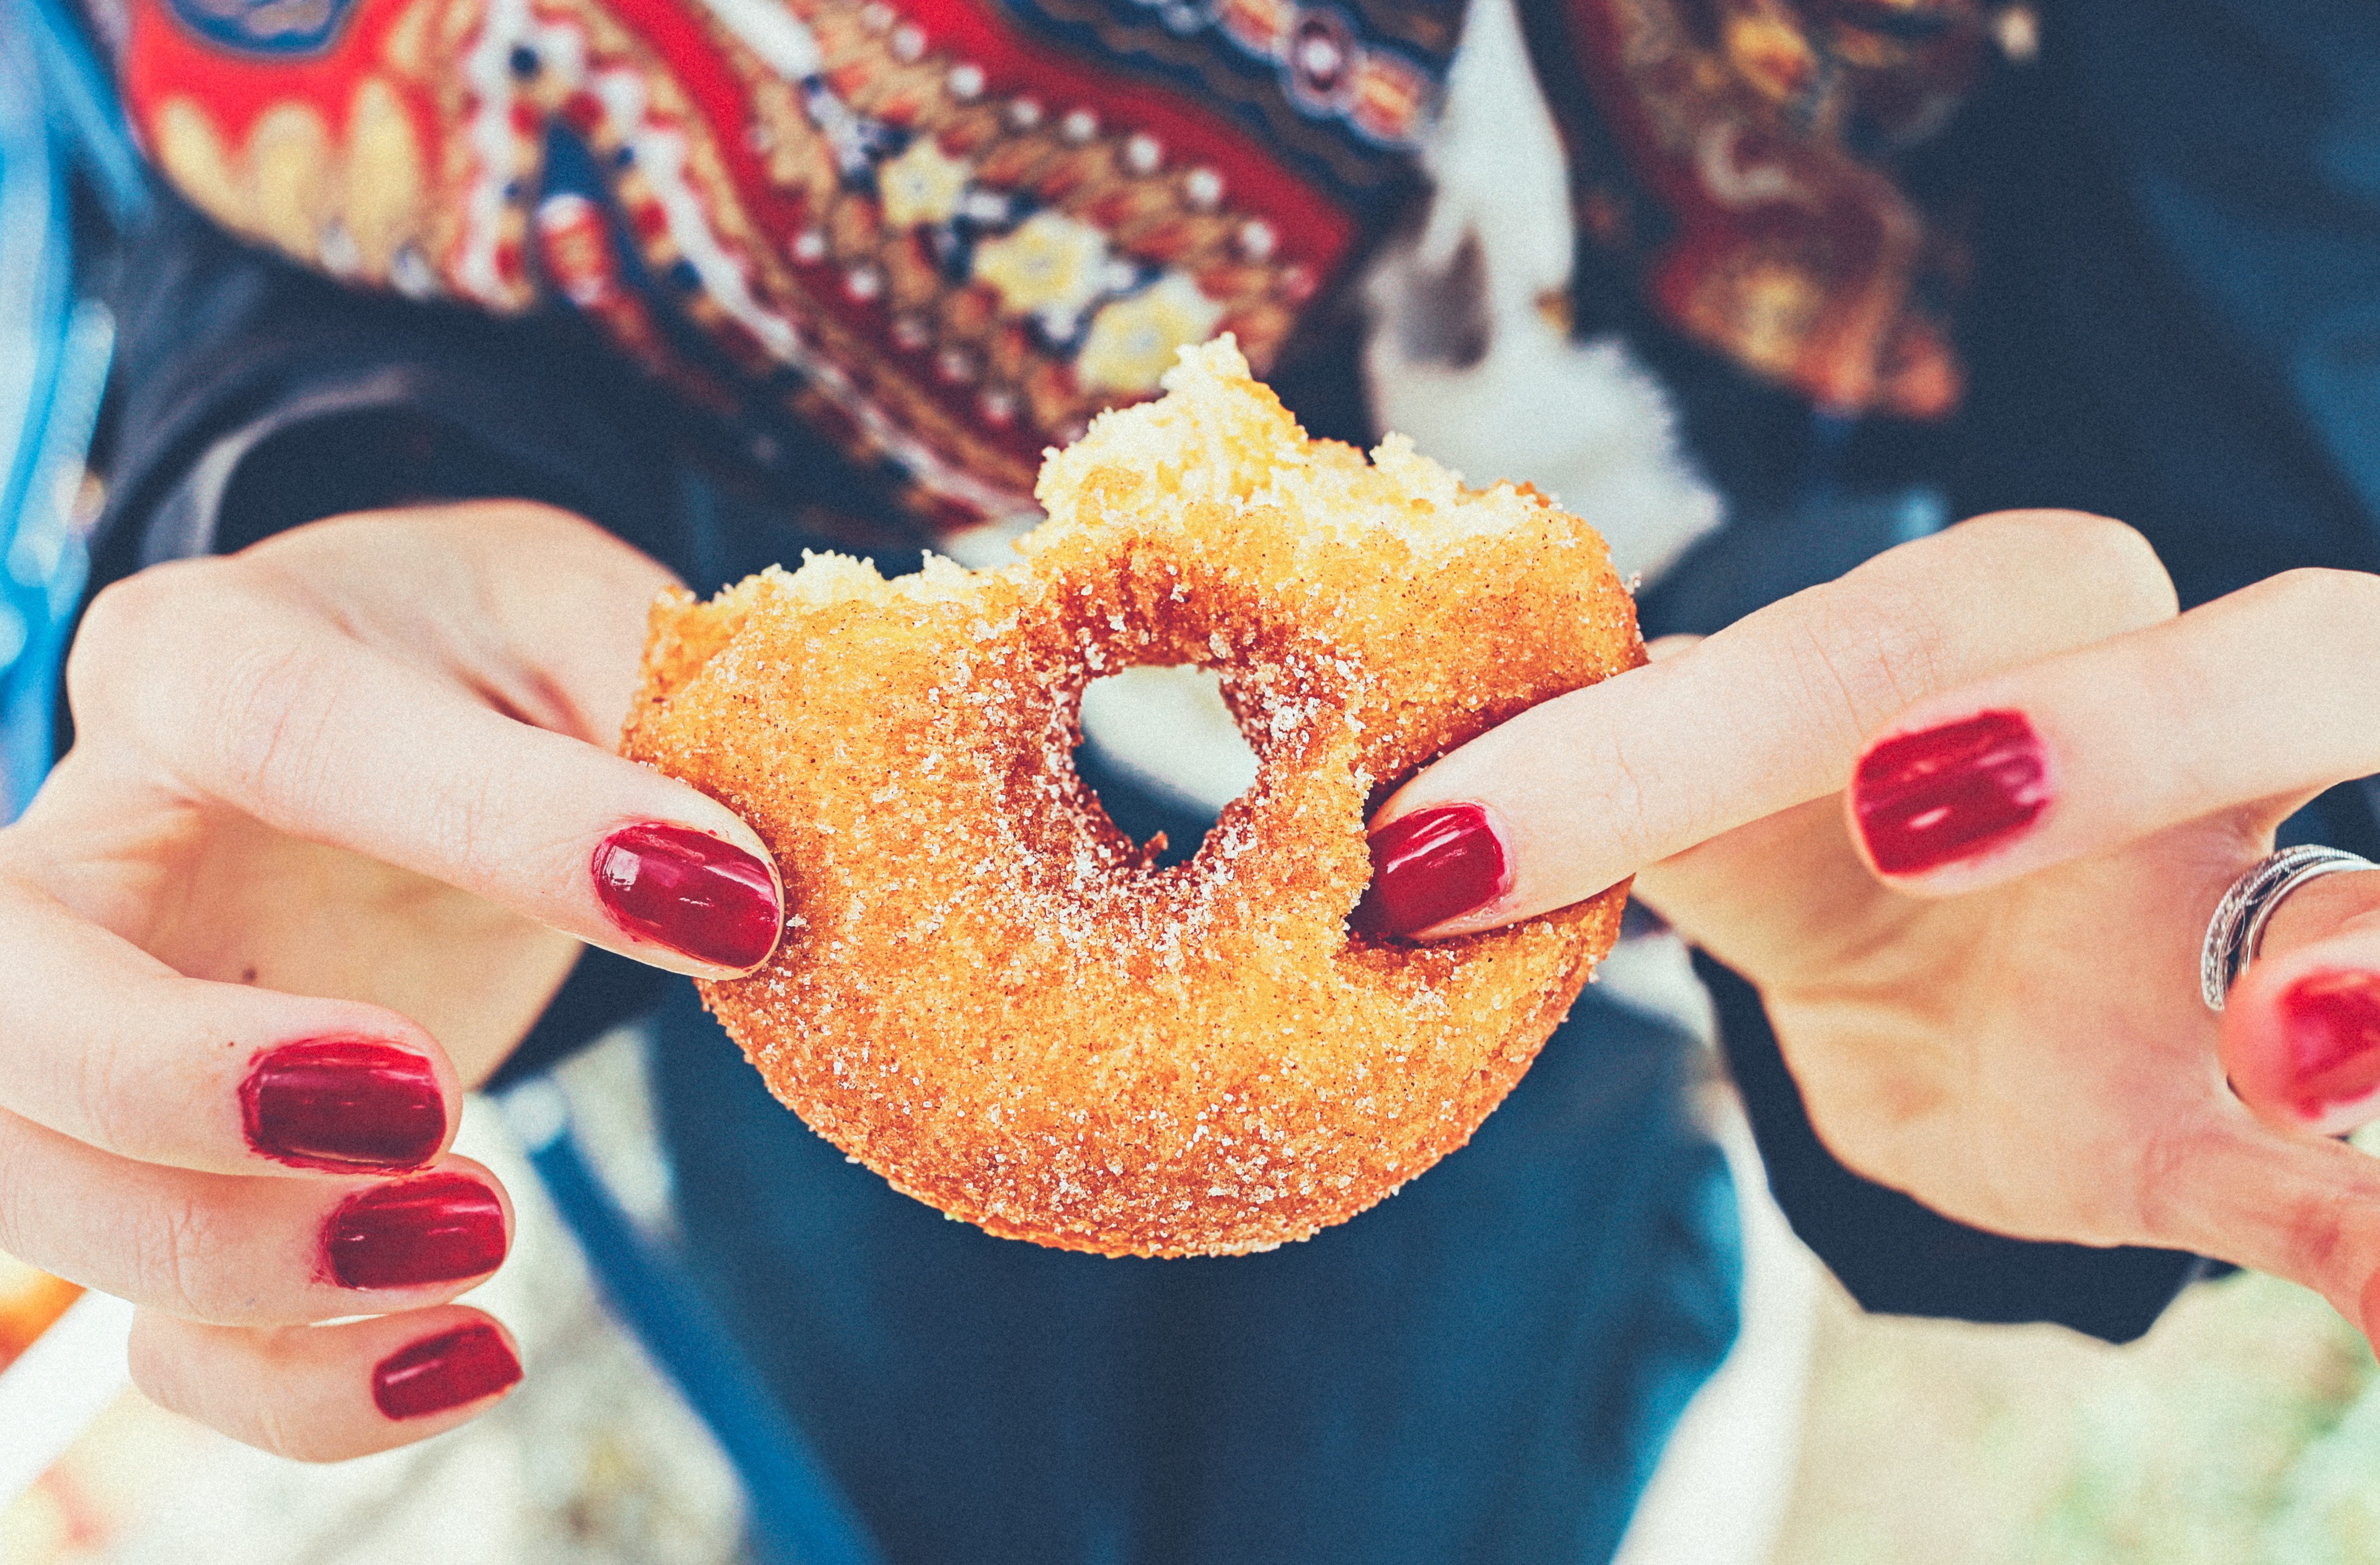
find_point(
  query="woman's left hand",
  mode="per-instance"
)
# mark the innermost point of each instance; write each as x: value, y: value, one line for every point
x: 1981, y: 957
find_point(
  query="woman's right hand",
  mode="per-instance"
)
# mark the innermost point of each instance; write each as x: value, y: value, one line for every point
x: 1962, y: 817
x: 339, y: 811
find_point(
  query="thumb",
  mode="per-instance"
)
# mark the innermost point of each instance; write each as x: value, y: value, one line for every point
x: 2296, y: 1207
x: 439, y: 690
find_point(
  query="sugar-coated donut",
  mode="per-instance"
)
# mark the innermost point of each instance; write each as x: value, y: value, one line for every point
x: 986, y: 992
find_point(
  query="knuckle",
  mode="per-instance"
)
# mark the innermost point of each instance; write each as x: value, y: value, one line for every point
x: 124, y: 609
x: 2340, y: 602
x: 2049, y: 530
x: 2114, y: 566
x: 521, y: 512
x: 2167, y: 1160
x: 468, y: 824
x: 157, y: 1356
x: 271, y: 703
x: 272, y: 1428
x: 2316, y: 1236
x: 1627, y: 804
x: 21, y: 1205
x: 201, y: 670
x: 178, y: 1259
x: 208, y: 1376
x: 2099, y: 575
x: 124, y: 623
x: 101, y: 1084
x: 1857, y: 668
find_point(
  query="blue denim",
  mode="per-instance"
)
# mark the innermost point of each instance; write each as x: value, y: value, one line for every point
x: 1483, y: 1368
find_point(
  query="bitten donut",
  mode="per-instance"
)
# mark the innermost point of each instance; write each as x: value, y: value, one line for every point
x: 987, y: 992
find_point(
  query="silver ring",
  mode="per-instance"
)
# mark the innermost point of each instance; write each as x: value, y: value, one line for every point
x: 2236, y: 933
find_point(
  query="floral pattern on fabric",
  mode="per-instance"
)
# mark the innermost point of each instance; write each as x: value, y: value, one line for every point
x: 939, y: 237
x: 946, y: 233
x: 1738, y: 156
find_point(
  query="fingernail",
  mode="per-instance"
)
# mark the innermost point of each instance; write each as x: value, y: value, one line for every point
x: 2331, y: 1024
x: 444, y: 1371
x: 1430, y: 866
x: 1948, y: 793
x: 343, y: 1103
x: 695, y: 894
x: 442, y: 1229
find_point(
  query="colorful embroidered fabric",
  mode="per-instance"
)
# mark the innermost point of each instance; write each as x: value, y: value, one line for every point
x: 947, y: 232
x: 1737, y: 156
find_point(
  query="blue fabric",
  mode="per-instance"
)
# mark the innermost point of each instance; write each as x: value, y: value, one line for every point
x: 2247, y: 138
x: 56, y: 120
x: 796, y: 1514
x: 2180, y: 283
x: 1484, y: 1368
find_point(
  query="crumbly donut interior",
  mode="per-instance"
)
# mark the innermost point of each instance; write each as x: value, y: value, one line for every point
x: 986, y: 992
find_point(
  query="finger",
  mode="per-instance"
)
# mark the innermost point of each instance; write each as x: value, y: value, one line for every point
x: 326, y: 737
x: 2298, y: 1206
x: 2264, y: 696
x: 237, y: 1251
x: 325, y: 1393
x: 2301, y: 1028
x: 1579, y: 793
x: 110, y: 1047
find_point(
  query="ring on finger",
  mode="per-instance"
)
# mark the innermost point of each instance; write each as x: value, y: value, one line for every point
x: 2236, y: 933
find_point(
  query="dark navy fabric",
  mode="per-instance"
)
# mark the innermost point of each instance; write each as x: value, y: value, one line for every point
x: 2178, y: 316
x: 1483, y: 1368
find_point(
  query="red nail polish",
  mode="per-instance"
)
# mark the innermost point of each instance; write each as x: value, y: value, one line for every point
x: 1942, y: 794
x: 440, y: 1228
x: 343, y: 1103
x: 444, y: 1371
x: 1430, y: 866
x: 694, y: 894
x: 2331, y: 1022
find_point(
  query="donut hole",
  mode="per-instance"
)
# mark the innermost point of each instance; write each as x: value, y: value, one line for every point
x: 1162, y: 753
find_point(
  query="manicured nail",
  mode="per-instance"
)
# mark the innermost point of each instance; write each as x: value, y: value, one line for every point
x: 1430, y: 866
x: 343, y: 1103
x: 1942, y: 794
x: 442, y: 1229
x: 695, y: 894
x: 444, y: 1371
x: 2331, y: 1022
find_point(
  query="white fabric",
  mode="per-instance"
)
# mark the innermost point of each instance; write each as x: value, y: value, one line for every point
x: 1583, y: 422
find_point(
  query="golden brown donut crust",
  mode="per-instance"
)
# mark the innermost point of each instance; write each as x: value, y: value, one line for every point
x: 984, y: 992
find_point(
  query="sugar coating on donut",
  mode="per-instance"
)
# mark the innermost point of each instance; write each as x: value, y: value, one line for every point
x: 986, y: 992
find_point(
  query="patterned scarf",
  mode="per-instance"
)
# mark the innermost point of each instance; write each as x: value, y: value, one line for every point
x: 947, y: 232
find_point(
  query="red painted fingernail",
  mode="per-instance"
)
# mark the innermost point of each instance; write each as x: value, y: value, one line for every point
x: 444, y: 1371
x: 1430, y: 866
x: 695, y: 894
x: 343, y: 1103
x: 441, y: 1229
x: 2331, y: 1023
x: 1943, y: 794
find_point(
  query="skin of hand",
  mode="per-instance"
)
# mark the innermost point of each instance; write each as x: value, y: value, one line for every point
x: 1962, y: 818
x: 339, y: 812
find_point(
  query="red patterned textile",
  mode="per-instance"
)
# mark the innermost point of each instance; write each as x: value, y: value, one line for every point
x: 1738, y: 155
x: 942, y: 240
x: 947, y: 232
